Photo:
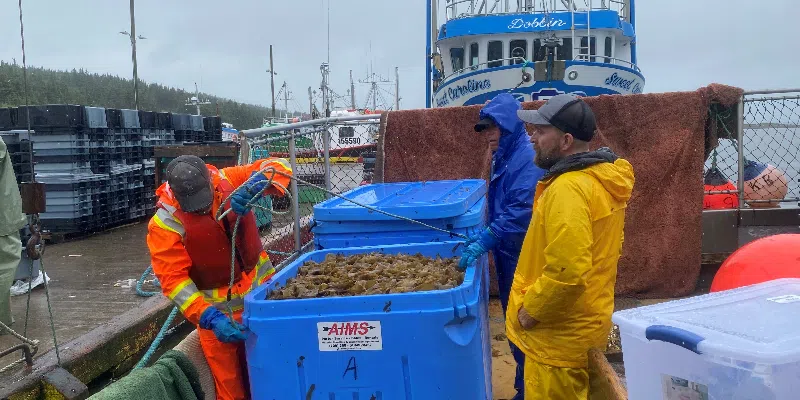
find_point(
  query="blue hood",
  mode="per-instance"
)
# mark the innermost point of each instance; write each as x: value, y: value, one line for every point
x: 514, y: 178
x: 503, y: 111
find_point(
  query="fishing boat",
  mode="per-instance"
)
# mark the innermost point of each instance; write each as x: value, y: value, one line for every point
x: 229, y: 133
x: 532, y: 49
x: 348, y: 140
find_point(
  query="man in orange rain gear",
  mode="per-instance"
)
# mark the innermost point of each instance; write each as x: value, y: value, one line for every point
x: 191, y: 254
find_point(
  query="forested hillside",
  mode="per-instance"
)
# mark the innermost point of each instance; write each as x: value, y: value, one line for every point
x: 80, y: 87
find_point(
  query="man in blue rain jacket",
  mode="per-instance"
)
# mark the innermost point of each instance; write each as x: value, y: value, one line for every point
x: 511, y: 190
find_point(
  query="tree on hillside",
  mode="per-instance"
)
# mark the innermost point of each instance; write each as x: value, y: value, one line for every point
x: 47, y: 86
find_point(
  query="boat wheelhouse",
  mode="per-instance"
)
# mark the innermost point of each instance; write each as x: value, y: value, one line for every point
x: 533, y: 49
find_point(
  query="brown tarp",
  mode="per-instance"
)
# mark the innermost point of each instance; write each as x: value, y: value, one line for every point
x: 663, y: 135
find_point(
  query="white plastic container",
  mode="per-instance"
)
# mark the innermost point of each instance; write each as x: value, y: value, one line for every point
x: 733, y: 345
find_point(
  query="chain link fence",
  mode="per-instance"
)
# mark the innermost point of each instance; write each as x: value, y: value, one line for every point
x: 336, y: 155
x: 764, y: 169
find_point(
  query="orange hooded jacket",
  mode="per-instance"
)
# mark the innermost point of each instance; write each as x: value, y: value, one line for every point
x: 171, y: 262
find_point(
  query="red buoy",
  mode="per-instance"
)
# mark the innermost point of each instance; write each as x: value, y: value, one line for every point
x: 764, y: 259
x: 720, y: 191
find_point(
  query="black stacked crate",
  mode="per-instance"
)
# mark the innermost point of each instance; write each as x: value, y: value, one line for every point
x: 213, y: 128
x: 96, y: 163
x: 63, y: 136
x: 20, y: 149
x: 196, y: 126
x: 182, y: 127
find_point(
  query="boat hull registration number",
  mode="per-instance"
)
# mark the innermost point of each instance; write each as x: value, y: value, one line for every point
x: 349, y: 336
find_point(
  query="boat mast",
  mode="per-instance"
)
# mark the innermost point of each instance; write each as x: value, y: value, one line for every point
x: 352, y: 92
x: 632, y: 19
x: 272, y: 80
x: 429, y: 24
x: 396, y: 88
x: 311, y: 103
x: 325, y: 69
x: 286, y: 94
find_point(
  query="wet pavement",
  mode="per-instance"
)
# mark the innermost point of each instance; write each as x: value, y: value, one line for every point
x: 92, y: 280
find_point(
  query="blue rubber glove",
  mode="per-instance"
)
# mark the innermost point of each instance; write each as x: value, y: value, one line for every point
x: 243, y: 195
x: 221, y: 325
x: 477, y: 247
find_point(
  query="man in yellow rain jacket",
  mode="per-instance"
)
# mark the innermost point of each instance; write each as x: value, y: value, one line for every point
x: 562, y: 296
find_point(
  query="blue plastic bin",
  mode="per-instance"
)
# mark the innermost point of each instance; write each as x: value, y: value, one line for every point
x: 342, y: 234
x: 419, y: 345
x: 416, y: 200
x: 456, y: 205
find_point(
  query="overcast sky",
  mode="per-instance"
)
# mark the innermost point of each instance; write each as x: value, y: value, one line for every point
x: 224, y: 45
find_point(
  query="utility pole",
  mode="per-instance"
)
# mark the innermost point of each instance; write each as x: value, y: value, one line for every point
x: 133, y: 56
x: 272, y: 74
x: 396, y: 88
x: 132, y: 36
x: 352, y: 92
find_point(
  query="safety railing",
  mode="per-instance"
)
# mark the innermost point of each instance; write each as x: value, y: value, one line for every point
x: 613, y: 60
x: 326, y: 155
x: 455, y: 9
x: 500, y: 62
x: 757, y: 161
x: 519, y: 60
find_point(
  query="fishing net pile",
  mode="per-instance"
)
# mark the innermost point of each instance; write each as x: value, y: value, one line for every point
x: 666, y: 137
x: 370, y: 274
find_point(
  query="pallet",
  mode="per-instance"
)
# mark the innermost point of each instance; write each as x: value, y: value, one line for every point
x: 61, y: 237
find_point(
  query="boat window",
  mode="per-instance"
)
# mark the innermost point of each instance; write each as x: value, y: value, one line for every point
x: 473, y: 56
x: 494, y: 54
x: 592, y: 50
x: 538, y: 52
x: 564, y: 50
x: 347, y: 131
x: 608, y: 49
x: 457, y: 58
x: 518, y: 48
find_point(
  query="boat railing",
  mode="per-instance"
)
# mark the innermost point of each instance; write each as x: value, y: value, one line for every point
x: 520, y: 60
x: 501, y: 61
x: 456, y: 9
x: 613, y: 60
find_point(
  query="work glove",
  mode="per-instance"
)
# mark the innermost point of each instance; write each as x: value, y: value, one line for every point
x: 224, y: 329
x: 242, y: 196
x: 476, y: 247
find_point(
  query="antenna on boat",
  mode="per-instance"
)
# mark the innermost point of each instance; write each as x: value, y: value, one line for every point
x: 329, y: 32
x: 374, y: 80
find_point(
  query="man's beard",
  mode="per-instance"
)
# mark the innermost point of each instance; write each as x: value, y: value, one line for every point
x: 546, y: 161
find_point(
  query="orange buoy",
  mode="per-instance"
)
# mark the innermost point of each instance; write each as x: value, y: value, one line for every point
x: 764, y: 259
x: 763, y: 182
x: 716, y: 181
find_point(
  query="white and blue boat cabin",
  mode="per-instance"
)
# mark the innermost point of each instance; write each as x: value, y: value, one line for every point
x: 535, y: 49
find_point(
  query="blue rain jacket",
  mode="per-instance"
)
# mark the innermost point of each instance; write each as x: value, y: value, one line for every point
x: 514, y: 177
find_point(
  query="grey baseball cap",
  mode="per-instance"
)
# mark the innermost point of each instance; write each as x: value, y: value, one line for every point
x: 566, y: 112
x: 189, y: 181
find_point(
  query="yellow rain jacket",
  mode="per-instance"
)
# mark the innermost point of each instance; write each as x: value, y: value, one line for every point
x: 568, y: 265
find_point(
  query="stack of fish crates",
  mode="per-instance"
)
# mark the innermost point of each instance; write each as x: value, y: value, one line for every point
x: 182, y: 128
x: 96, y: 163
x: 62, y: 141
x: 213, y: 128
x: 20, y: 149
